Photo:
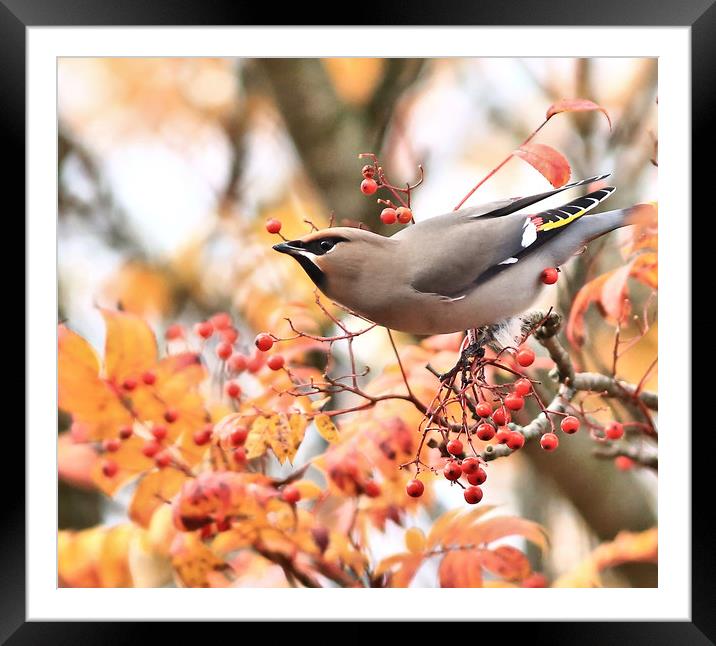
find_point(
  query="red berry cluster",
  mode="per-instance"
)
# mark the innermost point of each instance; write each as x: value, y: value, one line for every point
x: 468, y: 468
x: 368, y: 186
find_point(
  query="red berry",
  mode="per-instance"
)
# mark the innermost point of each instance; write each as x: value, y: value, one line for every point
x: 203, y: 436
x: 129, y: 384
x: 484, y: 409
x: 256, y: 362
x: 125, y: 432
x: 514, y: 401
x: 368, y: 171
x: 388, y: 216
x: 163, y: 459
x: 452, y: 471
x: 486, y: 432
x: 159, y: 432
x: 238, y: 437
x: 523, y: 387
x: 371, y: 489
x: 276, y: 362
x: 526, y: 357
x: 174, y: 332
x: 237, y: 363
x: 549, y: 442
x: 221, y: 321
x: 502, y: 436
x: 273, y: 225
x: 149, y: 378
x: 623, y: 463
x: 535, y: 580
x: 110, y: 468
x: 615, y: 431
x: 454, y: 447
x: 171, y: 416
x: 549, y: 276
x: 264, y: 342
x: 470, y: 465
x: 111, y: 445
x: 233, y: 390
x: 515, y: 440
x: 151, y: 448
x: 229, y: 335
x: 240, y: 455
x: 290, y: 494
x: 415, y: 488
x: 224, y: 350
x: 404, y: 214
x: 501, y: 416
x: 473, y: 495
x: 570, y: 424
x: 478, y: 477
x: 368, y: 186
x: 204, y: 329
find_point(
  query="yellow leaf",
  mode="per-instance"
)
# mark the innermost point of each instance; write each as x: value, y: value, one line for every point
x: 326, y: 428
x: 415, y: 540
x: 153, y: 490
x: 130, y: 347
x: 194, y: 562
x: 257, y: 439
x: 308, y: 490
x: 82, y: 393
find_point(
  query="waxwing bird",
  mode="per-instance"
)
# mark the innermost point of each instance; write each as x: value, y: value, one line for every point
x: 470, y: 268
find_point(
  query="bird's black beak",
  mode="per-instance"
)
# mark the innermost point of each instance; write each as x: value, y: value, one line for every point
x: 291, y: 248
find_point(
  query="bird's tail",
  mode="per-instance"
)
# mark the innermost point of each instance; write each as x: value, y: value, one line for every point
x: 600, y: 223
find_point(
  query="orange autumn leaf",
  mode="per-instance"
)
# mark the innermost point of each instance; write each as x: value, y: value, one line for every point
x: 627, y: 547
x: 553, y: 166
x: 95, y: 557
x: 460, y: 569
x: 156, y: 488
x: 194, y: 562
x: 576, y: 105
x: 81, y: 391
x: 507, y: 562
x: 415, y: 540
x: 400, y: 568
x: 130, y: 347
x: 611, y: 294
x: 131, y: 463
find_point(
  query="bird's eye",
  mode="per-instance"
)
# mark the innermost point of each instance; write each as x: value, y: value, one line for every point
x: 326, y: 245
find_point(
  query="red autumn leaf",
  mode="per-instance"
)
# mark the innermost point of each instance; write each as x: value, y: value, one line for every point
x: 550, y: 163
x: 507, y: 562
x: 576, y: 105
x: 461, y: 569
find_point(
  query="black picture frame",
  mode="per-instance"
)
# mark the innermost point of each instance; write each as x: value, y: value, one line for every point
x: 17, y: 15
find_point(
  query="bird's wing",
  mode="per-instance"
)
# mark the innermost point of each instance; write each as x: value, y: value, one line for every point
x: 505, y: 207
x: 476, y: 250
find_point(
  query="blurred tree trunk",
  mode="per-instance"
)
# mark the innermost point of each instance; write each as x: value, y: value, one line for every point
x: 329, y: 134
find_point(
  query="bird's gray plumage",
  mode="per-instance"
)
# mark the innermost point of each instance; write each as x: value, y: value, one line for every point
x: 465, y: 269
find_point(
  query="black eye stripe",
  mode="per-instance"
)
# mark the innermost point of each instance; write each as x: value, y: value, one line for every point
x: 320, y: 247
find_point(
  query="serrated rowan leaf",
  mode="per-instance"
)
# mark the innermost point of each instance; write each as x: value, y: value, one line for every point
x: 326, y: 428
x: 415, y: 540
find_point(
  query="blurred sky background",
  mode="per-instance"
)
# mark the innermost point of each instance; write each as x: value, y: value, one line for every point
x: 168, y: 169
